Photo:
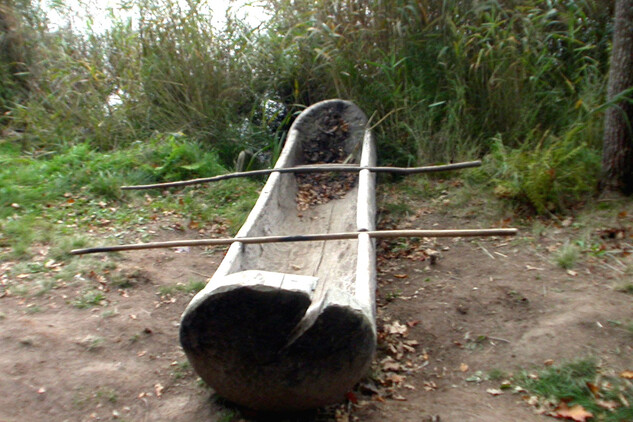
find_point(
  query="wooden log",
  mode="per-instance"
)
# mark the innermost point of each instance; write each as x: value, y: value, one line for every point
x: 310, y: 169
x: 291, y: 326
x: 299, y: 238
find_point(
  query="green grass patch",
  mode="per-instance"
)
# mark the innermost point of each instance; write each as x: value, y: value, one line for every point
x: 581, y: 382
x: 181, y: 369
x: 89, y: 299
x: 48, y: 199
x: 626, y: 288
x: 106, y: 394
x: 497, y: 375
x: 190, y: 287
x: 567, y: 256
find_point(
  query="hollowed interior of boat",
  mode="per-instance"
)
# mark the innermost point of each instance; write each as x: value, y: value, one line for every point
x: 332, y: 134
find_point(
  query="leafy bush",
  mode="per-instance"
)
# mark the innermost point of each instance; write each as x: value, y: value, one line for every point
x: 548, y: 177
x: 441, y: 80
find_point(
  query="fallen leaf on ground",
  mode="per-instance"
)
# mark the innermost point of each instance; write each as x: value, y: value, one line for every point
x: 608, y: 404
x: 158, y: 388
x: 595, y: 390
x: 463, y: 367
x: 351, y: 397
x: 494, y: 392
x: 341, y: 416
x: 391, y: 365
x: 628, y: 374
x: 396, y: 328
x: 400, y: 275
x: 394, y: 379
x: 398, y: 397
x: 575, y: 413
x: 430, y: 386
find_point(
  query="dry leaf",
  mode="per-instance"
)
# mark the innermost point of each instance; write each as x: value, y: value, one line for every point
x: 494, y: 392
x: 575, y: 413
x: 398, y: 397
x: 350, y: 396
x: 158, y: 388
x: 394, y: 379
x: 391, y: 365
x: 401, y: 275
x: 595, y: 390
x: 396, y: 328
x: 341, y: 416
x: 608, y: 404
x: 628, y: 374
x: 463, y: 367
x: 429, y: 386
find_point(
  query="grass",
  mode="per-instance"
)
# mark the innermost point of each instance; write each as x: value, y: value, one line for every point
x: 181, y: 369
x: 89, y: 299
x: 59, y: 196
x: 626, y: 288
x: 107, y: 394
x: 567, y: 256
x: 190, y: 287
x: 581, y: 382
x: 440, y: 89
x: 110, y: 313
x: 497, y: 375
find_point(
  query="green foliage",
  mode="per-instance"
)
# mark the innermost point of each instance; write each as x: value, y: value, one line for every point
x: 441, y: 80
x: 570, y: 383
x: 190, y: 287
x: 547, y: 177
x: 89, y: 299
x: 567, y: 256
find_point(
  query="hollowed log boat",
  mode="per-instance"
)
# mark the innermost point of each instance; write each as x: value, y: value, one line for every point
x: 291, y: 326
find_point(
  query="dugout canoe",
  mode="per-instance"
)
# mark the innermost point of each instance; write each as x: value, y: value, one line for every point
x: 291, y: 326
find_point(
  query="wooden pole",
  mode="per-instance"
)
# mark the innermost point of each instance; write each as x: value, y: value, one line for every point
x: 310, y: 169
x: 300, y: 238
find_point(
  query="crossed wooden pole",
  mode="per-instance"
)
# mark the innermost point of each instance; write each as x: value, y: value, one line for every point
x: 305, y: 237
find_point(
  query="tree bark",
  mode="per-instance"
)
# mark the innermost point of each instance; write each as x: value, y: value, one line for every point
x: 617, y: 154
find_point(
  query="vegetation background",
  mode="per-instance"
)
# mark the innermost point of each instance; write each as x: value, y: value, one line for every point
x: 168, y: 95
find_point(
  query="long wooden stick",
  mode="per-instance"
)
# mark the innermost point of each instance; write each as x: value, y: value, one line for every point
x: 310, y: 169
x: 300, y: 238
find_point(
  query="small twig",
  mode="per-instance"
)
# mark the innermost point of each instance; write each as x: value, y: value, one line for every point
x: 499, y: 339
x: 487, y: 253
x: 613, y: 268
x: 620, y: 263
x: 200, y: 274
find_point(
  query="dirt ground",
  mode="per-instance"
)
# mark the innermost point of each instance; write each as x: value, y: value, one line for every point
x: 480, y: 306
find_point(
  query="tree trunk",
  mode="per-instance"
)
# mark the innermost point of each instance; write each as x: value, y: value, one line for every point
x: 617, y: 154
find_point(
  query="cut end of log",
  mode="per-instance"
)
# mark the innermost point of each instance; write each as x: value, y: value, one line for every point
x: 240, y: 341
